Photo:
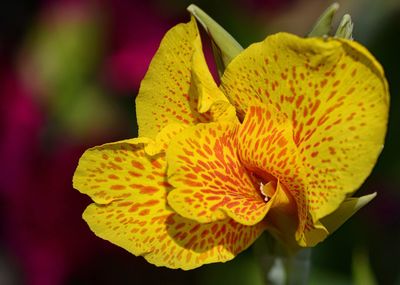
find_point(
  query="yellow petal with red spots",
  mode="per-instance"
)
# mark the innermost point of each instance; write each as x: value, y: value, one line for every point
x: 210, y: 182
x: 117, y: 171
x: 164, y: 238
x: 135, y: 215
x: 160, y: 144
x: 266, y: 147
x: 177, y: 76
x: 164, y: 92
x: 334, y: 93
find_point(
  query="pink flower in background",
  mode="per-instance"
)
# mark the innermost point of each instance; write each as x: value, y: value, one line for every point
x: 42, y: 227
x: 41, y: 217
x: 136, y: 29
x: 20, y: 120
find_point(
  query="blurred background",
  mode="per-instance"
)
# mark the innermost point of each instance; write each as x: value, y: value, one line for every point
x: 69, y: 73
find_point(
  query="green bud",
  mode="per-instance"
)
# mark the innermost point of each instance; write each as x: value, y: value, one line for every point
x: 345, y: 29
x: 324, y: 23
x: 225, y: 47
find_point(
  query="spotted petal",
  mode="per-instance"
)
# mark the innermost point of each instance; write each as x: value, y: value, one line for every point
x: 163, y: 138
x: 266, y: 147
x: 334, y: 93
x: 210, y: 182
x: 166, y: 239
x: 135, y: 214
x: 115, y: 171
x: 178, y: 87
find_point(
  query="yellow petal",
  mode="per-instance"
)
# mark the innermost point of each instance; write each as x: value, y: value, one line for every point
x: 212, y: 104
x: 177, y: 76
x: 282, y: 219
x: 161, y: 142
x: 210, y: 182
x: 347, y: 209
x: 111, y: 172
x: 164, y: 92
x: 164, y: 238
x: 336, y: 96
x: 204, y: 86
x: 266, y: 147
x: 134, y: 214
x: 282, y: 223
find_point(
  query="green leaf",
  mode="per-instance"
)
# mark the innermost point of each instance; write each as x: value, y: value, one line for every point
x: 347, y: 209
x: 225, y: 47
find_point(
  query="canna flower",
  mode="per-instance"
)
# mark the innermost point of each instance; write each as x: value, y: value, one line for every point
x: 294, y: 128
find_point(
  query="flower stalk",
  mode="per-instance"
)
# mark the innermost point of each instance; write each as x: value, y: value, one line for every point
x: 280, y: 266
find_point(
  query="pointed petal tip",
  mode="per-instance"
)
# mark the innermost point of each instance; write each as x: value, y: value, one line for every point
x: 347, y: 209
x: 364, y: 200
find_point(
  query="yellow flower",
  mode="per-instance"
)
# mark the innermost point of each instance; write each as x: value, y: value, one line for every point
x: 292, y: 131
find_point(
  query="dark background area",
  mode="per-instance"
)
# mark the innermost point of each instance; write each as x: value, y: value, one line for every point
x: 69, y: 73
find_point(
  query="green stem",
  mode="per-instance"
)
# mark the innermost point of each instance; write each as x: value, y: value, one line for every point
x: 279, y: 267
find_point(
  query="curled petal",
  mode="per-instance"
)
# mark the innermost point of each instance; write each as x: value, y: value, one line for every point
x: 266, y: 147
x: 204, y: 87
x: 210, y: 182
x: 212, y: 105
x: 282, y: 219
